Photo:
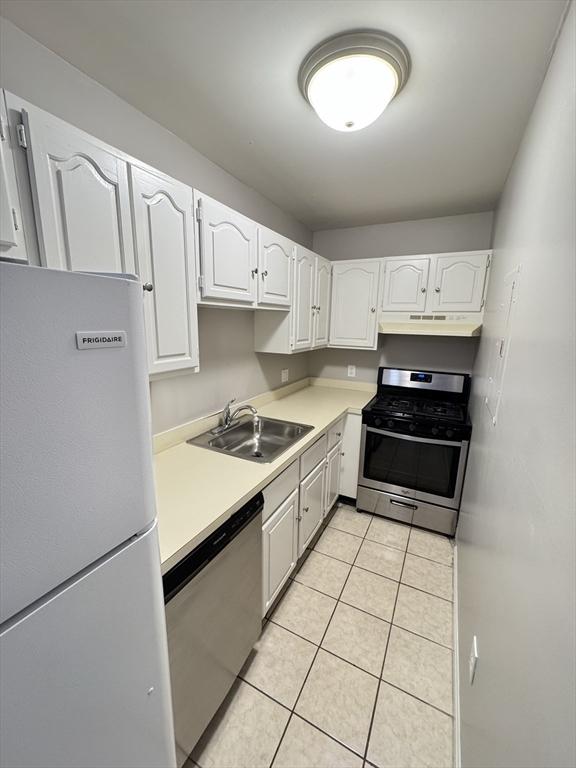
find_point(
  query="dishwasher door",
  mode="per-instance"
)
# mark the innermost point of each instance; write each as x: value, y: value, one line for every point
x: 213, y: 616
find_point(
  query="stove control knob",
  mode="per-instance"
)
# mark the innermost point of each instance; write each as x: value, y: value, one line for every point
x: 435, y: 430
x: 377, y: 422
x: 390, y: 424
x: 412, y: 427
x: 449, y: 433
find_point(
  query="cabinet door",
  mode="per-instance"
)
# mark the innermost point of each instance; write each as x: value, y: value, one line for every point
x: 405, y: 285
x: 162, y: 209
x: 228, y: 253
x: 353, y: 317
x: 322, y: 302
x: 302, y: 314
x: 274, y: 268
x: 312, y: 491
x: 333, y: 476
x: 458, y: 284
x: 81, y: 198
x: 280, y: 549
x: 12, y: 243
x: 350, y: 455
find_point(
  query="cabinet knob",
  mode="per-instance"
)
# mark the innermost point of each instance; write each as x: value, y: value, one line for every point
x: 264, y: 274
x: 317, y: 309
x: 372, y: 309
x: 148, y: 287
x: 342, y: 454
x: 423, y: 290
x: 437, y: 290
x: 305, y: 509
x: 298, y: 517
x: 338, y: 434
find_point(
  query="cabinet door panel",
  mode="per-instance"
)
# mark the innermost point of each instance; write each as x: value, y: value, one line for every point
x: 12, y: 240
x: 274, y: 268
x: 280, y: 550
x: 405, y: 284
x: 304, y: 268
x: 228, y: 253
x: 350, y: 455
x: 353, y: 319
x: 164, y: 237
x: 459, y: 282
x: 81, y: 198
x: 312, y: 500
x: 333, y: 476
x: 322, y: 302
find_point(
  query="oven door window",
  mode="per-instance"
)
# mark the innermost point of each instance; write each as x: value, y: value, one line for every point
x: 421, y: 466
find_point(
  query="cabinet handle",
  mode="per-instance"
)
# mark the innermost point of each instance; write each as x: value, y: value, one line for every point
x: 298, y: 517
x: 423, y: 290
x: 403, y: 504
x: 338, y: 434
x: 342, y: 454
x: 148, y: 287
x: 264, y: 274
x: 372, y: 309
x: 305, y: 509
x: 437, y: 290
x: 254, y: 273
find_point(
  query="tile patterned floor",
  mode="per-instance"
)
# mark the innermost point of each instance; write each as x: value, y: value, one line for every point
x: 354, y: 666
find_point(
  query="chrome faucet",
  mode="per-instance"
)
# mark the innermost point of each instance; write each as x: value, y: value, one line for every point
x: 228, y: 416
x: 235, y: 413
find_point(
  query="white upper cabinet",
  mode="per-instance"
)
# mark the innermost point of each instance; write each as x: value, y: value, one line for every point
x: 81, y: 197
x: 12, y: 242
x: 458, y: 282
x: 405, y: 285
x: 302, y: 312
x: 228, y: 253
x: 274, y: 268
x: 353, y: 318
x: 164, y: 232
x: 321, y: 309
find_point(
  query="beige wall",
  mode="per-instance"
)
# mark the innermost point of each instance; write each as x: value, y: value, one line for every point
x: 516, y: 537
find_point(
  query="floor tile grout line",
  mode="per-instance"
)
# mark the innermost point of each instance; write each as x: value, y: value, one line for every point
x: 370, y: 727
x: 413, y: 695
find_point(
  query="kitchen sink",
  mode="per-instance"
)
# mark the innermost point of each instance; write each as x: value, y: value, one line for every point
x: 255, y: 438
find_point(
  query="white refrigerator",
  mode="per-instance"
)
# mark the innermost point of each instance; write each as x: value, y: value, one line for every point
x: 84, y: 679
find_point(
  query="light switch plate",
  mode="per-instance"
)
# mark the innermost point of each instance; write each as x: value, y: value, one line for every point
x: 284, y: 375
x: 473, y: 660
x: 351, y: 371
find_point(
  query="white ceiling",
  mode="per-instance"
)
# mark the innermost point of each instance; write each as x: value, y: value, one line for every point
x: 222, y: 76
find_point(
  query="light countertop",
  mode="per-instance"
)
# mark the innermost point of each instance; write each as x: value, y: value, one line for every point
x: 197, y: 489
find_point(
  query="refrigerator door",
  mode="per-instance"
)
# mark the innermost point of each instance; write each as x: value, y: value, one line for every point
x: 75, y: 451
x: 85, y: 679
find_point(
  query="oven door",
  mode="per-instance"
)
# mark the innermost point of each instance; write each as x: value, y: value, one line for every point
x: 415, y: 467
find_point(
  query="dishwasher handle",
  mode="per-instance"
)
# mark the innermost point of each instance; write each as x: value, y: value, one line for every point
x: 178, y: 577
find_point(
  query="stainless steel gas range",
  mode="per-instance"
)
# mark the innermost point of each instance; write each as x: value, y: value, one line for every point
x: 415, y: 437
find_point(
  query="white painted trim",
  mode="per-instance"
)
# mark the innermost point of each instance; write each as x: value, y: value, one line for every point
x: 362, y: 386
x: 177, y: 435
x: 457, y: 750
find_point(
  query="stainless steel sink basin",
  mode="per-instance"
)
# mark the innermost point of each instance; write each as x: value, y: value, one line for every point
x: 254, y: 438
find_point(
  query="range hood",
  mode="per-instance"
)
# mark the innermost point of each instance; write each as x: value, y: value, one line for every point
x: 432, y: 327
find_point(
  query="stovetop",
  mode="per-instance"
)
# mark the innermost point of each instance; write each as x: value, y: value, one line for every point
x: 421, y: 403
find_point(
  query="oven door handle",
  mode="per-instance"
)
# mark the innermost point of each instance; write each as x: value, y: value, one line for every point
x: 403, y: 504
x: 430, y: 441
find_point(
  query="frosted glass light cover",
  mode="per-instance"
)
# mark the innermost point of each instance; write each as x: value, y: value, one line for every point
x: 351, y: 92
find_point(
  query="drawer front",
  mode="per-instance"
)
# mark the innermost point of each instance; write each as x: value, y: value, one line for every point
x: 411, y: 511
x: 335, y: 434
x: 279, y: 489
x: 313, y: 456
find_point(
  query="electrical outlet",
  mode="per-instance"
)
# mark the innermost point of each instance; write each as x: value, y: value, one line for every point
x: 351, y: 371
x: 284, y: 375
x: 473, y: 660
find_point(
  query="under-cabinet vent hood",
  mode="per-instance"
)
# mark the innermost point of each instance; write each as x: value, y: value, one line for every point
x: 432, y: 325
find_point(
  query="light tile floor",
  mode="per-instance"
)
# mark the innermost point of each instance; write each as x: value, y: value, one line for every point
x: 354, y: 666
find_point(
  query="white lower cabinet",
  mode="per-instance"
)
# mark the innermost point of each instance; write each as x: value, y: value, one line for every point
x: 333, y: 464
x: 279, y: 549
x: 312, y: 490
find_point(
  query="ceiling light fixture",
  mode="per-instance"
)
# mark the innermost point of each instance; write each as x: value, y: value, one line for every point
x: 350, y: 79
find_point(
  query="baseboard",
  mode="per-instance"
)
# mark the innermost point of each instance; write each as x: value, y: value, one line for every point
x: 456, y: 667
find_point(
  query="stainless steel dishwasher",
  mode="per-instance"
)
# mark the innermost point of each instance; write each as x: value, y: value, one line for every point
x: 213, y: 603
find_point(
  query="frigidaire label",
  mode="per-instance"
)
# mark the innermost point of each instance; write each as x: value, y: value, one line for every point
x: 96, y: 339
